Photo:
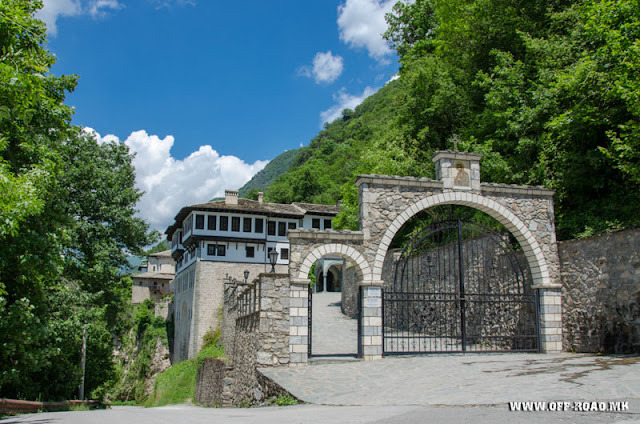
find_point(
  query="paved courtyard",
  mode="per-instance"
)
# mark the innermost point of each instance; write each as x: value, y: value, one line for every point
x: 332, y: 331
x: 472, y: 379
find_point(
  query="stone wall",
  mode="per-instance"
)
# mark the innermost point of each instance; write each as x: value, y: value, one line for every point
x: 213, y: 387
x: 205, y: 299
x: 183, y: 307
x: 252, y: 339
x: 350, y: 280
x: 601, y: 292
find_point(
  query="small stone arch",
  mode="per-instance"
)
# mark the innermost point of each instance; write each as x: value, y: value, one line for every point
x: 338, y: 249
x: 527, y: 240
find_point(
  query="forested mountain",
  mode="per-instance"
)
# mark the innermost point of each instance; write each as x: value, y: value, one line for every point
x: 263, y: 179
x: 546, y: 90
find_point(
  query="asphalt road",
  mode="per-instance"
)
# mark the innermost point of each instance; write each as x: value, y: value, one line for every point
x: 322, y: 414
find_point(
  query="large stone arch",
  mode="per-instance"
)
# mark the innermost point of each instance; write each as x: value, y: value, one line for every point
x: 515, y: 225
x: 338, y: 249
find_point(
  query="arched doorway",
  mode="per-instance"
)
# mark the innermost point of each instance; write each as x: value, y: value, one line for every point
x: 331, y: 331
x: 459, y: 286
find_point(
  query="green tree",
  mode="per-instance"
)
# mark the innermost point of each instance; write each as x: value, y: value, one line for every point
x: 65, y: 224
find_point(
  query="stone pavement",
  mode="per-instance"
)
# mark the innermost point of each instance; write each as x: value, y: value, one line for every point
x: 332, y: 332
x: 471, y: 379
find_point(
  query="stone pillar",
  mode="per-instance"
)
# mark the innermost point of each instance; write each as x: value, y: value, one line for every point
x: 550, y: 319
x: 299, y: 321
x: 273, y: 330
x: 371, y: 317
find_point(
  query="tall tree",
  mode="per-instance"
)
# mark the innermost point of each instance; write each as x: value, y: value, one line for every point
x: 545, y: 89
x: 66, y: 221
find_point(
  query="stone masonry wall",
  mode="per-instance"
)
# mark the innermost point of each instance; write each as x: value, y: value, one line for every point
x: 213, y: 383
x: 349, y: 296
x: 601, y: 292
x: 351, y: 280
x: 259, y: 339
x: 208, y: 295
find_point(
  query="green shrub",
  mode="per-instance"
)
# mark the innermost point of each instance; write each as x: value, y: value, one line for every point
x: 211, y: 338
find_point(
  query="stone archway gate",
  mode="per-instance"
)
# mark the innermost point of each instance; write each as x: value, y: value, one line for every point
x: 388, y: 202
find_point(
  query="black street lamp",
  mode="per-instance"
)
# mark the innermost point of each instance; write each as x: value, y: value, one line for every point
x: 273, y: 258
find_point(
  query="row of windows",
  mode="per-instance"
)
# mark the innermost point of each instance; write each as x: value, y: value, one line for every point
x: 248, y: 224
x: 216, y: 250
x: 213, y: 223
x: 282, y: 228
x: 315, y: 223
x: 250, y: 251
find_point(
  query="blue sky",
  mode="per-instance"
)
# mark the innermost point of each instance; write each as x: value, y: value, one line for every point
x: 206, y: 92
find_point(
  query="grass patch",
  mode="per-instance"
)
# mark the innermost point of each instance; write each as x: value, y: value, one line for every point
x: 178, y: 383
x: 79, y: 407
x: 286, y: 400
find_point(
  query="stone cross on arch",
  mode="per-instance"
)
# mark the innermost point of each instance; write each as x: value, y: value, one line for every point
x: 455, y: 140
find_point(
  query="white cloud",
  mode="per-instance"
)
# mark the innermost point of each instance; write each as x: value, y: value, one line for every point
x: 344, y: 101
x: 170, y: 184
x: 171, y: 3
x: 361, y: 24
x: 326, y: 68
x: 53, y: 9
x: 393, y: 78
x: 100, y: 7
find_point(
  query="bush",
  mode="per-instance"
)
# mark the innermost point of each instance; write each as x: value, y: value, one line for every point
x: 211, y: 338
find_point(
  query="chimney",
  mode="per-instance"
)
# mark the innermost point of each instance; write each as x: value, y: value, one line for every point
x: 260, y: 195
x: 231, y: 197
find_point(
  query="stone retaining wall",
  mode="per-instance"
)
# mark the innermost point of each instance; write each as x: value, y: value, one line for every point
x: 257, y: 339
x: 601, y: 292
x: 211, y: 389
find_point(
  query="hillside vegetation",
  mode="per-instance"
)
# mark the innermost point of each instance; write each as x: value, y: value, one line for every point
x: 263, y: 179
x: 547, y: 91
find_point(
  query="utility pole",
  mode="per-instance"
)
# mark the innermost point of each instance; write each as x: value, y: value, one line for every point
x: 83, y: 361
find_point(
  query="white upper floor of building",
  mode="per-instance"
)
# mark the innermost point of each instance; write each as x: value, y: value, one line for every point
x: 241, y: 230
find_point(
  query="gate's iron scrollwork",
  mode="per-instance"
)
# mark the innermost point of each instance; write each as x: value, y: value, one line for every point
x: 460, y: 287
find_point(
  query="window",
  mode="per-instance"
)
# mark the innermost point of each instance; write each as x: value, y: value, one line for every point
x: 292, y: 225
x: 271, y: 228
x: 235, y: 223
x: 315, y: 223
x: 259, y: 225
x: 282, y: 229
x: 211, y: 249
x: 211, y: 222
x: 199, y: 222
x: 251, y: 251
x: 327, y: 224
x: 246, y: 225
x: 284, y: 254
x: 222, y: 250
x: 187, y: 224
x: 224, y: 223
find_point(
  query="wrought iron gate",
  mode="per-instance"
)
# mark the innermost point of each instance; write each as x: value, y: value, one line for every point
x: 460, y: 287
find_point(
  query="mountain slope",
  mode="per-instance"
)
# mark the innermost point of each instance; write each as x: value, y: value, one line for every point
x: 276, y: 167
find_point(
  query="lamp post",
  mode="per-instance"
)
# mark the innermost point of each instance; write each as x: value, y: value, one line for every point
x: 273, y: 258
